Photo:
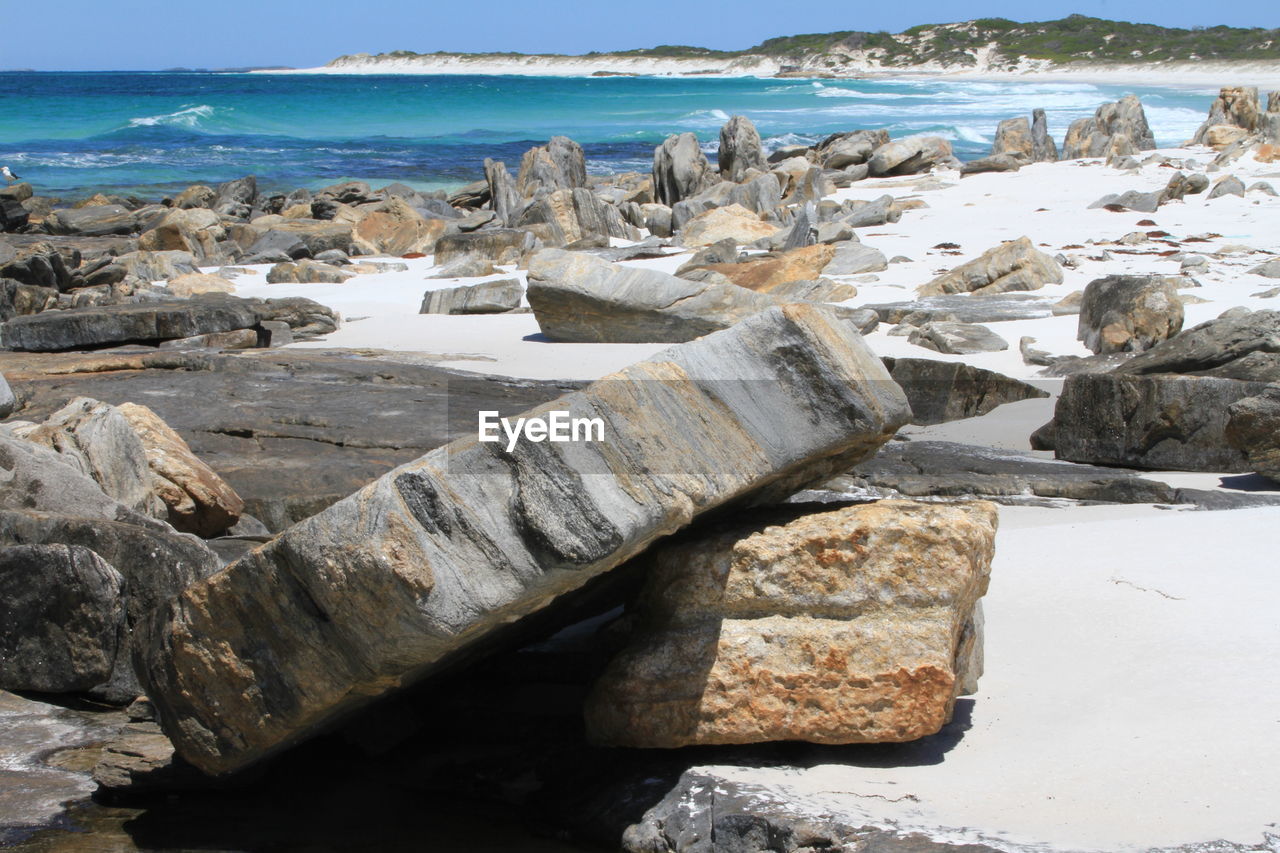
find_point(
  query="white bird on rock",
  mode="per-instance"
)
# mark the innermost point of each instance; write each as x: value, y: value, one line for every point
x: 9, y: 176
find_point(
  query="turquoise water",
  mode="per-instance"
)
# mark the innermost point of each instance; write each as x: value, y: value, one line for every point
x: 152, y: 133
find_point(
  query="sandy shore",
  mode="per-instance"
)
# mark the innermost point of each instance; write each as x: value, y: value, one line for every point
x: 1132, y: 673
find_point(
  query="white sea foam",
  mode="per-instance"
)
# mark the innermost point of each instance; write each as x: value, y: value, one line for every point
x: 188, y: 116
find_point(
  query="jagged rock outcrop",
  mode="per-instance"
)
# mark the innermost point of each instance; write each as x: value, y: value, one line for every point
x: 680, y: 169
x: 412, y: 571
x: 1014, y: 265
x: 1129, y: 313
x: 575, y: 214
x: 842, y: 150
x: 1013, y: 138
x: 558, y: 165
x: 1043, y: 148
x: 1253, y: 428
x: 1118, y: 128
x: 855, y: 626
x: 504, y: 196
x: 740, y: 149
x: 1235, y: 106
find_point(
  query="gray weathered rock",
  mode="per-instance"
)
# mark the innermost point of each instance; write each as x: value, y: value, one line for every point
x: 489, y: 297
x: 957, y: 338
x: 426, y: 556
x: 909, y: 156
x: 1235, y: 106
x: 1253, y: 428
x: 79, y: 328
x: 994, y: 163
x: 1227, y: 185
x: 307, y: 272
x: 1129, y: 313
x: 1270, y: 269
x: 942, y: 391
x: 842, y: 150
x: 8, y: 402
x: 1131, y: 200
x: 1153, y: 422
x: 853, y: 258
x: 504, y: 197
x: 558, y: 165
x: 584, y: 299
x: 1013, y: 265
x: 96, y: 221
x: 1013, y: 139
x: 500, y: 245
x: 740, y: 149
x: 1119, y: 127
x: 61, y: 618
x: 680, y: 169
x: 1216, y: 345
x: 963, y: 308
x: 572, y: 215
x: 1043, y: 148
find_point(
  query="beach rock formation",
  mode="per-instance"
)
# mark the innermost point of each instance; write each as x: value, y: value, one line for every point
x: 584, y: 299
x: 558, y: 165
x: 1043, y: 148
x: 740, y: 149
x: 1013, y: 138
x: 1129, y: 313
x: 307, y: 272
x: 488, y: 297
x: 855, y: 626
x: 574, y: 214
x: 680, y: 169
x: 941, y: 391
x: 370, y: 594
x: 61, y: 618
x: 1115, y: 129
x: 1235, y: 107
x: 724, y: 223
x: 957, y: 338
x: 1253, y: 427
x: 1014, y: 265
x: 87, y: 328
x: 909, y: 156
x: 1162, y: 423
x: 500, y: 245
x: 1237, y: 345
x: 843, y: 150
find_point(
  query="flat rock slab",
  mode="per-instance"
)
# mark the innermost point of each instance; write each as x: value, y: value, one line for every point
x: 941, y: 391
x: 292, y: 431
x: 410, y: 574
x: 962, y: 308
x: 106, y: 325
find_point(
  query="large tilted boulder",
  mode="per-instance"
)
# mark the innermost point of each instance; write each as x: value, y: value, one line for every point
x: 1238, y: 347
x: 1119, y: 128
x: 504, y: 198
x: 942, y: 391
x: 855, y: 626
x: 584, y: 299
x: 1253, y: 427
x: 1013, y: 138
x: 680, y: 169
x: 740, y: 149
x: 1014, y: 265
x: 1235, y: 107
x: 407, y: 575
x: 909, y: 156
x: 196, y: 230
x: 1129, y: 313
x: 61, y: 618
x: 97, y: 221
x: 842, y: 150
x: 1162, y: 422
x: 81, y: 328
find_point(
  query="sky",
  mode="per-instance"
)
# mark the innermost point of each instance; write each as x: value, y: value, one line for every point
x: 74, y: 35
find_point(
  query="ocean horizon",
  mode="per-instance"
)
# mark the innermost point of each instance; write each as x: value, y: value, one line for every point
x: 72, y: 134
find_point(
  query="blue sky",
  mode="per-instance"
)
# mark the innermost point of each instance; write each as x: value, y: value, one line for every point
x: 154, y: 34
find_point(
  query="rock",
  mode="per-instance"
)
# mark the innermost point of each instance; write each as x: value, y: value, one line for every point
x: 994, y: 163
x: 762, y: 274
x: 1183, y: 185
x: 387, y: 556
x: 580, y: 298
x: 1214, y: 345
x: 490, y: 297
x: 158, y: 266
x: 196, y: 499
x: 96, y: 221
x: 190, y: 284
x: 558, y: 165
x: 80, y: 328
x: 1253, y: 428
x: 942, y: 391
x: 197, y: 231
x: 499, y: 245
x: 100, y: 442
x: 878, y: 212
x: 306, y: 317
x: 195, y: 196
x: 40, y: 264
x: 740, y: 149
x: 1013, y: 139
x: 44, y: 481
x: 853, y: 258
x: 1043, y: 148
x: 1118, y: 127
x: 957, y: 338
x: 680, y: 169
x: 1220, y: 137
x: 1227, y: 185
x: 1130, y: 200
x: 842, y: 150
x: 307, y: 272
x: 1235, y: 107
x: 822, y: 290
x: 61, y: 618
x: 8, y: 402
x: 1262, y: 187
x: 395, y: 228
x: 909, y: 156
x: 1129, y: 313
x: 733, y: 222
x: 1155, y: 422
x: 236, y: 198
x: 141, y: 759
x: 575, y: 215
x: 1270, y: 269
x: 504, y: 197
x: 1014, y: 265
x: 759, y: 195
x: 962, y: 308
x: 841, y: 627
x: 944, y: 469
x: 315, y: 236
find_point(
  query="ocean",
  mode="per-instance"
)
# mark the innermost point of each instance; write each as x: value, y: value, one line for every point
x: 73, y: 134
